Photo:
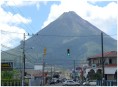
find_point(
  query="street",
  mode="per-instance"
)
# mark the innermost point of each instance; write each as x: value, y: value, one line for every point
x: 57, y: 84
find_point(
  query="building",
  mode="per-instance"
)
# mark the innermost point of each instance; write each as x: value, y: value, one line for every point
x: 110, y: 65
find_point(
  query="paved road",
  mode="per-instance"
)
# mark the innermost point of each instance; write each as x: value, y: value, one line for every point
x: 57, y: 84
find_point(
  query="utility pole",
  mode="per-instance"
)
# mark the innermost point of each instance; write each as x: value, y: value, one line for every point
x: 43, y: 71
x: 51, y: 72
x: 23, y: 68
x: 74, y: 68
x: 103, y: 77
x: 43, y: 68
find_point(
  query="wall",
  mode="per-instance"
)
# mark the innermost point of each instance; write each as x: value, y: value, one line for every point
x: 110, y: 76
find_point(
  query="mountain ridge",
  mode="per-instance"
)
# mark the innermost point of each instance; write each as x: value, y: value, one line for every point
x: 69, y: 31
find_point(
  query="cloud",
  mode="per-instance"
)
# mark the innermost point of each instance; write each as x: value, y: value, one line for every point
x: 19, y: 3
x: 9, y: 18
x: 9, y: 23
x: 102, y: 17
x: 11, y: 34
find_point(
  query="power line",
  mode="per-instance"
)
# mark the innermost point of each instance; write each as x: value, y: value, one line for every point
x: 30, y: 56
x: 10, y: 48
x: 11, y: 53
x: 20, y: 51
x: 62, y: 35
x: 10, y: 32
x: 74, y: 35
x: 24, y: 16
x: 29, y: 60
x: 18, y: 16
x: 46, y: 59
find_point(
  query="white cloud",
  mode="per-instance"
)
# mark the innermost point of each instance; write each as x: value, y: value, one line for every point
x: 20, y: 2
x: 102, y: 17
x: 11, y: 34
x: 9, y: 18
x: 9, y: 22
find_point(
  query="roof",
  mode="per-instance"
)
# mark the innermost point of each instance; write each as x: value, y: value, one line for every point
x: 106, y: 54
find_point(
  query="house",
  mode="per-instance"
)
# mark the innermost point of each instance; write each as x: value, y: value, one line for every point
x: 110, y: 64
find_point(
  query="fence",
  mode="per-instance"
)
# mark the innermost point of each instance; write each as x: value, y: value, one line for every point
x: 11, y: 82
x: 107, y: 83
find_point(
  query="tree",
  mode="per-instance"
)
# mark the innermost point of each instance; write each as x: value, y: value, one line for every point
x: 10, y: 74
x: 98, y: 74
x: 91, y: 74
x: 6, y: 75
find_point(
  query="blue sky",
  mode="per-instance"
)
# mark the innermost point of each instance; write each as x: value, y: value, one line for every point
x: 31, y: 16
x: 37, y: 14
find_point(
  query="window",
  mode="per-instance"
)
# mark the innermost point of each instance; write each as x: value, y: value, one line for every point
x: 110, y: 61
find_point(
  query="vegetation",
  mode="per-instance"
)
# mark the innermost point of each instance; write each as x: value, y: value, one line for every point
x: 9, y: 75
x: 12, y: 78
x: 6, y: 75
x: 94, y: 76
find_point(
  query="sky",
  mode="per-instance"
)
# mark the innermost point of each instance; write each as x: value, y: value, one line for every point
x: 30, y: 16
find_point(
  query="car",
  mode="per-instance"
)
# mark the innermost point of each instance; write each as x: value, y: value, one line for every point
x: 53, y: 81
x: 86, y: 83
x: 89, y: 83
x: 63, y: 79
x: 92, y: 83
x: 70, y: 83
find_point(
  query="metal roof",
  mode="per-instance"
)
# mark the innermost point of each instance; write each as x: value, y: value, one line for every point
x: 106, y: 54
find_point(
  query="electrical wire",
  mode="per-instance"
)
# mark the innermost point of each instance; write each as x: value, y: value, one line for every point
x: 17, y: 51
x: 10, y: 32
x: 10, y: 53
x: 62, y: 35
x: 29, y: 60
x: 18, y: 16
x: 70, y: 36
x: 30, y: 26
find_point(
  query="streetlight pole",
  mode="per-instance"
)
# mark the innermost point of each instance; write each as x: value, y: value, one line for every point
x: 103, y: 78
x: 74, y: 69
x: 23, y: 68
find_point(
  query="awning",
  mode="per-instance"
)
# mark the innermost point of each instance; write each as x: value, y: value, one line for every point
x: 110, y: 70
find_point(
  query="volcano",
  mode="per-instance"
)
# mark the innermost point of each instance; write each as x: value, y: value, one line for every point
x: 69, y: 31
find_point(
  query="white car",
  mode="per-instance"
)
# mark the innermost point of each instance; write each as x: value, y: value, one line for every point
x: 86, y: 83
x: 92, y: 83
x: 70, y: 83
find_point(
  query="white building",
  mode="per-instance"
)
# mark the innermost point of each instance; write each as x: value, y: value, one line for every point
x: 110, y: 64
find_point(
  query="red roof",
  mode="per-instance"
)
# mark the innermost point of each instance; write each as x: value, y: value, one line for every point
x: 106, y: 54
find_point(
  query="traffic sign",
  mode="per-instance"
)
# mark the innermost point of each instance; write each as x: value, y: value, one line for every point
x: 93, y: 66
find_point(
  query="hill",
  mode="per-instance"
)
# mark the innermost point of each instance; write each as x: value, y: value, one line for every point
x: 69, y: 31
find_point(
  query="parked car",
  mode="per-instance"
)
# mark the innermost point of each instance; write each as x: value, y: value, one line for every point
x: 89, y: 83
x: 54, y: 81
x: 86, y: 83
x: 93, y: 83
x: 63, y: 79
x: 70, y: 83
